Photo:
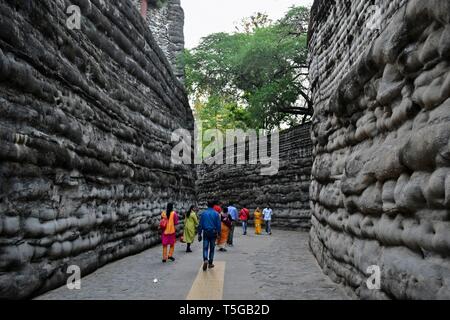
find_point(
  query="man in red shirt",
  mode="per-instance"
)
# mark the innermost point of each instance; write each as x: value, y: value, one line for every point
x: 244, y: 215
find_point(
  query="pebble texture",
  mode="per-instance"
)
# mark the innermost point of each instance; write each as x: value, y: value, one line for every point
x: 287, y: 191
x: 380, y: 192
x: 85, y: 131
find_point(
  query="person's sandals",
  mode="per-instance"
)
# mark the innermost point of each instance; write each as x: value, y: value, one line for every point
x: 164, y: 261
x: 171, y: 258
x: 205, y: 265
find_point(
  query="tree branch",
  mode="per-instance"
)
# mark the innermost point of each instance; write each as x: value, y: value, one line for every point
x: 297, y: 111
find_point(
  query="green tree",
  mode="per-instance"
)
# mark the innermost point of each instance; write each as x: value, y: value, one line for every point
x: 259, y: 72
x: 217, y: 113
x: 250, y: 24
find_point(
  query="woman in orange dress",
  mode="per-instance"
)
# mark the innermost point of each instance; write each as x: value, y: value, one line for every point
x: 225, y: 229
x: 169, y: 219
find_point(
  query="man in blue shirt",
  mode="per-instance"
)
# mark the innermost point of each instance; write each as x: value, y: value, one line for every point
x: 232, y: 211
x: 210, y: 225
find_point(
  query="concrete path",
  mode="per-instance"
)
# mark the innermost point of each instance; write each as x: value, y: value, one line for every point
x: 256, y: 268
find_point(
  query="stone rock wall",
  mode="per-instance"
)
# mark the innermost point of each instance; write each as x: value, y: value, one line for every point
x: 380, y: 193
x: 166, y: 21
x: 86, y: 118
x: 287, y: 191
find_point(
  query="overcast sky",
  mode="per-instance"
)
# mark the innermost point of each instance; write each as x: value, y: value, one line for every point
x: 203, y: 17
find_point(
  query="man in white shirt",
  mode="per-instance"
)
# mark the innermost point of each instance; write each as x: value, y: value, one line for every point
x: 267, y: 212
x: 232, y: 211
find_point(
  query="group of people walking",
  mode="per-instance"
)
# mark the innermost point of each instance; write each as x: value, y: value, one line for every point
x: 216, y: 226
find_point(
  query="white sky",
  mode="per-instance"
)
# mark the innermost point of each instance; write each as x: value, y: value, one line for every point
x: 203, y: 17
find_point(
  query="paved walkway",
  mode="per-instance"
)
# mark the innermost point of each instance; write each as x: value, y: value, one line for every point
x: 257, y: 267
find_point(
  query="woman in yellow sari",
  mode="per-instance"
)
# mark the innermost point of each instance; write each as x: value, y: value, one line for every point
x: 190, y: 227
x: 258, y: 220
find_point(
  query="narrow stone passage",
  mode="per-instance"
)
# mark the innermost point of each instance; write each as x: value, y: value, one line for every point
x: 256, y: 268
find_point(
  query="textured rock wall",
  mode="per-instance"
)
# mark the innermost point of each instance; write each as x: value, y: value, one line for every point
x: 166, y: 21
x: 86, y: 118
x: 380, y: 193
x: 287, y: 191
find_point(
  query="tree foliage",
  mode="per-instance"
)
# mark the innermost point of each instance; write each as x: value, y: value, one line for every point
x: 259, y: 72
x: 257, y: 21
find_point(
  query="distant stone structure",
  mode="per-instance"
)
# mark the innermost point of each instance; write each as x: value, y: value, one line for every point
x: 287, y: 191
x: 85, y: 140
x: 166, y: 21
x: 380, y: 194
